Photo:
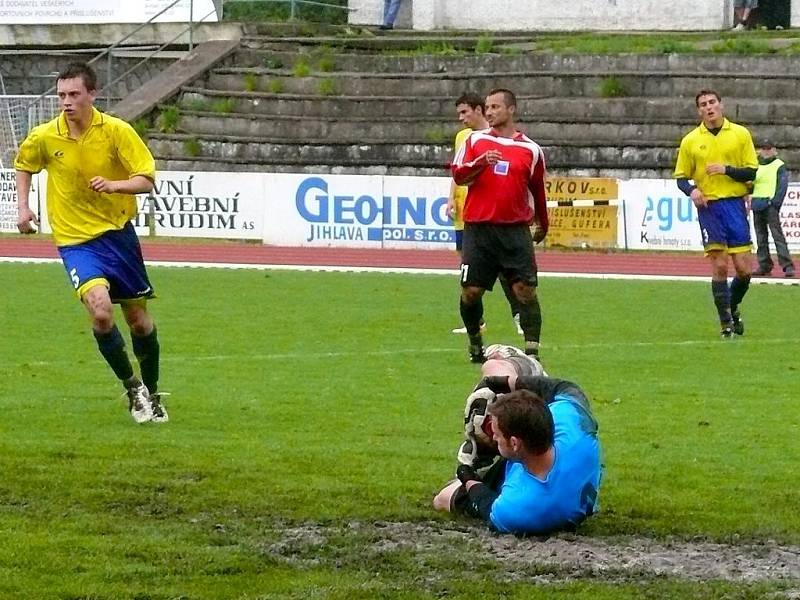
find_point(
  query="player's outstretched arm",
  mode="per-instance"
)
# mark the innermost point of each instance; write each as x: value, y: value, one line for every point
x: 463, y: 174
x: 499, y: 384
x: 26, y: 218
x: 536, y: 185
x: 138, y: 184
x: 481, y: 498
x: 545, y: 387
x: 451, y: 201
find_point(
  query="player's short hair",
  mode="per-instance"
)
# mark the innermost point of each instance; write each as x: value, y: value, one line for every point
x: 81, y: 70
x: 472, y: 100
x: 508, y: 96
x: 525, y: 415
x: 706, y: 93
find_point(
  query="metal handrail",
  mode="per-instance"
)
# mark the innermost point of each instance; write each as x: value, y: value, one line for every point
x: 49, y: 91
x: 64, y: 51
x: 156, y: 51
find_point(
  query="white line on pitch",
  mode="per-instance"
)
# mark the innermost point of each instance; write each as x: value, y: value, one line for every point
x: 405, y: 270
x: 711, y: 341
x: 714, y: 341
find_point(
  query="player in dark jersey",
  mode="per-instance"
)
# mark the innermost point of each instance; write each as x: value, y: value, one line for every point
x: 504, y: 169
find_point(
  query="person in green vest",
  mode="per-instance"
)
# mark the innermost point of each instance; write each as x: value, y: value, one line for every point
x: 769, y: 190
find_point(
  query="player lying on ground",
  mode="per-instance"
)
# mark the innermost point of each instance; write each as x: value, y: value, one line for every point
x: 548, y: 473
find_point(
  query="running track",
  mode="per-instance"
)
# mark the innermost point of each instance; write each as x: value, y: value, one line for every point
x: 549, y: 261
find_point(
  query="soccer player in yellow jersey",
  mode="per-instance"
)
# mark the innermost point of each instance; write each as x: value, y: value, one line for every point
x: 470, y: 109
x: 715, y: 162
x: 95, y: 165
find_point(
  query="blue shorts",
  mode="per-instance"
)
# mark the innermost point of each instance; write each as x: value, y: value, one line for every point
x: 724, y: 225
x: 114, y: 259
x: 459, y: 239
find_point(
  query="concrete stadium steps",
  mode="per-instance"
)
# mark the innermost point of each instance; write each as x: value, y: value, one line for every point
x: 487, y: 63
x: 289, y: 29
x: 425, y: 130
x: 365, y: 153
x: 396, y: 41
x: 281, y: 151
x: 416, y: 130
x: 179, y: 162
x: 748, y: 110
x: 315, y: 105
x: 630, y: 158
x: 385, y: 104
x: 300, y: 129
x: 210, y: 163
x: 541, y: 83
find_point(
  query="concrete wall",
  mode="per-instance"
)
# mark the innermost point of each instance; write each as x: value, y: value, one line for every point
x: 28, y: 69
x: 558, y: 15
x: 36, y: 36
x: 34, y: 73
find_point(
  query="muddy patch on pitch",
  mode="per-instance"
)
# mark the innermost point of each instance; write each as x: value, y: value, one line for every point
x: 672, y: 558
x: 557, y: 558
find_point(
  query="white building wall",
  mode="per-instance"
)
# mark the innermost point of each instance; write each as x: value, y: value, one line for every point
x: 370, y: 12
x: 557, y: 15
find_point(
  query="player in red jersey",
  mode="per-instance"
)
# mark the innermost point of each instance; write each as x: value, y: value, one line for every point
x: 505, y: 172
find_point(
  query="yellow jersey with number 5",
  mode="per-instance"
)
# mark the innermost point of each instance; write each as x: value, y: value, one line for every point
x: 108, y: 148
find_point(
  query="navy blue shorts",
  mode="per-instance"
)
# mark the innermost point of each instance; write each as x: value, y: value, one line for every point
x: 724, y: 225
x: 459, y: 239
x: 113, y: 259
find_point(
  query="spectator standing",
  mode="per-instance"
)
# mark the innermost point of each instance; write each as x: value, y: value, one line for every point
x: 390, y: 10
x: 742, y: 10
x: 769, y: 190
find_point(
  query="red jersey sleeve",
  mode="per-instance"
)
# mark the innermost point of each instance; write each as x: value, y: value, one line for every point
x: 536, y: 184
x: 464, y: 165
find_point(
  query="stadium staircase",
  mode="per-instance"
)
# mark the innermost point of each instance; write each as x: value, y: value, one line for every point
x: 384, y: 104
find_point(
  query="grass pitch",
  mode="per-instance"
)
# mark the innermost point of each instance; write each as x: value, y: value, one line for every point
x: 312, y: 412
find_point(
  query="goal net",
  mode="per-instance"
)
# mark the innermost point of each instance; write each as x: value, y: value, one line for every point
x: 18, y: 114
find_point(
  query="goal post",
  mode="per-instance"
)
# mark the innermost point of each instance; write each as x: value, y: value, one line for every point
x: 18, y: 115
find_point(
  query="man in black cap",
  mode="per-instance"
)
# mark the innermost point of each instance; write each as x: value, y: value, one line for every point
x: 769, y: 190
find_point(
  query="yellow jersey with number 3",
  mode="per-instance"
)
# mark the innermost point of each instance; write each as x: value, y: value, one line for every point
x: 732, y: 146
x: 108, y: 148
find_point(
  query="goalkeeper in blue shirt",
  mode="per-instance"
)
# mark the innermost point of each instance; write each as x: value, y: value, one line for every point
x: 548, y: 475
